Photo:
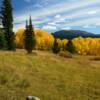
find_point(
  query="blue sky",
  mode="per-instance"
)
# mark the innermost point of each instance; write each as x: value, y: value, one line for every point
x: 54, y: 15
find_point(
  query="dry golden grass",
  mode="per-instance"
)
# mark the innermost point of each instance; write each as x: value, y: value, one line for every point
x: 48, y: 76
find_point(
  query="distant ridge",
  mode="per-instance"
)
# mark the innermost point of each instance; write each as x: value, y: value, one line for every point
x: 70, y: 34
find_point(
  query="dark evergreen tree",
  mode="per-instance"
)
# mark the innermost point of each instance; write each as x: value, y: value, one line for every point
x: 2, y: 40
x: 55, y: 48
x: 31, y: 30
x: 70, y: 47
x: 29, y: 40
x: 7, y: 22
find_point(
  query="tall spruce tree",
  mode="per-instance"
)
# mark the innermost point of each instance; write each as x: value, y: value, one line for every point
x: 7, y: 22
x: 29, y: 40
x: 55, y: 48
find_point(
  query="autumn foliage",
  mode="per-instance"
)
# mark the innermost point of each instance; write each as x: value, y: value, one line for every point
x: 83, y: 46
x: 44, y: 40
x: 19, y: 38
x: 87, y: 46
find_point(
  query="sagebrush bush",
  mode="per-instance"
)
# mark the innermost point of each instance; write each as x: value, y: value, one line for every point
x: 95, y: 59
x: 65, y: 54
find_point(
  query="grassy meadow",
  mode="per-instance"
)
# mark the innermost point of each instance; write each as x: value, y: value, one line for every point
x: 48, y: 76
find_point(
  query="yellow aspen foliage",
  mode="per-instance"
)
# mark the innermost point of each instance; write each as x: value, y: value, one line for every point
x: 19, y: 38
x: 62, y: 43
x: 87, y: 46
x: 44, y: 39
x: 59, y: 42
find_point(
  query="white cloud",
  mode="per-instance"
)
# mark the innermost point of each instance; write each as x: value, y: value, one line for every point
x: 61, y: 20
x: 86, y: 26
x: 48, y: 27
x: 1, y: 26
x: 93, y: 12
x: 58, y: 16
x: 98, y: 23
x: 66, y: 28
x: 52, y: 23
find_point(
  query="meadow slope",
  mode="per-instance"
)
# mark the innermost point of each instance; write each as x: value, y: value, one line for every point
x: 48, y: 76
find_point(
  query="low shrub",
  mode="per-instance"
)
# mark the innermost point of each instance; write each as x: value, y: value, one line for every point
x: 95, y: 59
x: 65, y: 54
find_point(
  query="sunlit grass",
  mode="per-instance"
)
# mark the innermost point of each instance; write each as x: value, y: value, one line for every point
x: 48, y: 76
